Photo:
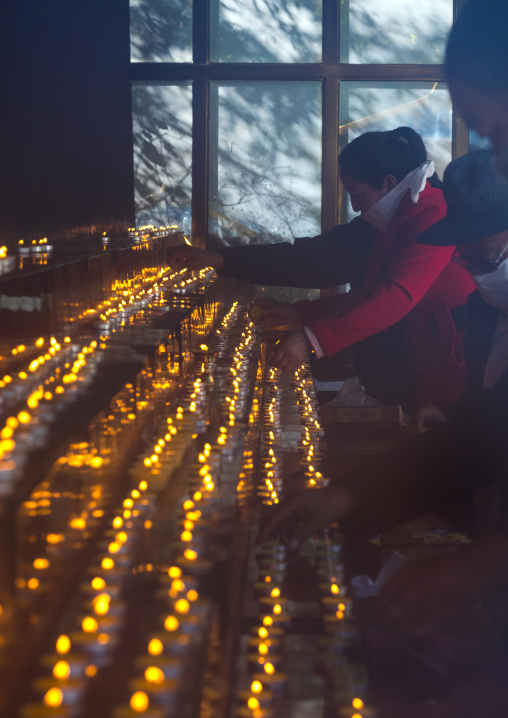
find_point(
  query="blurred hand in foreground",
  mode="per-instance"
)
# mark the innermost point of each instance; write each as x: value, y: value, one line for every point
x: 277, y: 313
x: 303, y: 514
x: 424, y: 418
x: 186, y: 257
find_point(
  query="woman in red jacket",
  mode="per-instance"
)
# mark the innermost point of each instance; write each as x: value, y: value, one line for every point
x: 402, y: 313
x: 403, y: 320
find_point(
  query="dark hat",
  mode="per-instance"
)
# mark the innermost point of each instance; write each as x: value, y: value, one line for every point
x: 476, y: 195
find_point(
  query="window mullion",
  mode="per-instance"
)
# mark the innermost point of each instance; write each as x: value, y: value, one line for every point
x: 200, y: 159
x: 329, y: 171
x: 330, y: 32
x: 201, y: 32
x: 200, y: 123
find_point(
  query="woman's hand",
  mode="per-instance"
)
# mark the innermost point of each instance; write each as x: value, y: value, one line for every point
x: 186, y: 257
x: 293, y: 353
x: 303, y: 514
x: 277, y: 313
x: 423, y: 418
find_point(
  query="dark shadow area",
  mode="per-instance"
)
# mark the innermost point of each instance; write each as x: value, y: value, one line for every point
x: 66, y: 119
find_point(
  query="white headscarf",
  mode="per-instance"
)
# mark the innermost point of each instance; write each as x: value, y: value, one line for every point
x: 381, y: 214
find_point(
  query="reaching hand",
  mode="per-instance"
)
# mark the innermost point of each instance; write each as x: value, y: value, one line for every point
x: 293, y: 353
x: 186, y: 257
x: 303, y: 514
x: 423, y: 418
x: 277, y: 313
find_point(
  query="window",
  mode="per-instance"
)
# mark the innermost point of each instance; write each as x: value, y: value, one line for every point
x: 240, y: 110
x: 394, y: 31
x: 162, y: 137
x: 266, y: 31
x: 265, y: 160
x: 161, y: 30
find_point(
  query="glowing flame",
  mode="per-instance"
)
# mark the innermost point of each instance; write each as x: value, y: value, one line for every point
x: 155, y: 647
x: 154, y: 675
x: 62, y: 670
x: 182, y: 605
x: 139, y: 702
x: 101, y: 604
x: 171, y: 623
x: 53, y: 697
x: 89, y: 624
x: 63, y: 644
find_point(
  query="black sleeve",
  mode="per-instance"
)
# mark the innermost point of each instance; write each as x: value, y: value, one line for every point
x: 439, y: 470
x: 332, y: 258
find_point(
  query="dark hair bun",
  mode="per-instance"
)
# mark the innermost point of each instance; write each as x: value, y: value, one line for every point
x: 372, y: 156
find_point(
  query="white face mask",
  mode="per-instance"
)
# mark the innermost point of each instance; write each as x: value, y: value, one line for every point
x: 493, y: 286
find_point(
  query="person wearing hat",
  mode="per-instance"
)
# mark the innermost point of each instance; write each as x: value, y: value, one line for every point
x: 444, y: 467
x: 477, y: 223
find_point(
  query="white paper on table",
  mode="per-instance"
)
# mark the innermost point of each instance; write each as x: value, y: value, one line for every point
x: 364, y: 587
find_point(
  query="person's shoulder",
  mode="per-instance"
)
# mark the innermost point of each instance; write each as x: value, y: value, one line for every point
x: 432, y: 196
x: 430, y: 202
x: 429, y: 197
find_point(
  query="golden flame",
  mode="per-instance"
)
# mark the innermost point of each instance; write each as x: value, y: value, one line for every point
x: 139, y: 702
x: 63, y: 644
x: 53, y: 697
x: 171, y: 623
x: 155, y: 647
x: 154, y: 675
x: 61, y: 670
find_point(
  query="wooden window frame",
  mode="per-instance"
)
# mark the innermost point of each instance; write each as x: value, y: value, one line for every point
x: 329, y: 72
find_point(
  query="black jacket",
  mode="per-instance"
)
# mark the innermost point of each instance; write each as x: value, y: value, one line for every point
x: 335, y: 257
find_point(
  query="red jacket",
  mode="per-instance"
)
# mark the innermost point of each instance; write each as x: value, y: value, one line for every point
x: 404, y: 280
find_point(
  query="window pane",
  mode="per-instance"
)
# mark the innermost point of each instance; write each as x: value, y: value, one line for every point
x: 161, y: 30
x: 265, y: 177
x: 266, y: 31
x: 373, y: 106
x: 162, y: 129
x: 394, y: 31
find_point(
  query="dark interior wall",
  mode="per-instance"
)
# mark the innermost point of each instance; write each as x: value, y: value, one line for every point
x: 66, y: 156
